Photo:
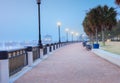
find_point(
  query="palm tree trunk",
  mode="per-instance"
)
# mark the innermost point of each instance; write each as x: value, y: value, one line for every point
x: 103, y: 36
x: 96, y: 36
x: 92, y: 38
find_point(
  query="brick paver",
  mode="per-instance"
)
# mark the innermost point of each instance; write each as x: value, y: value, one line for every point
x: 72, y: 64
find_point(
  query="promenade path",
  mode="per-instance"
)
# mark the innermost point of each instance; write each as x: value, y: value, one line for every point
x: 72, y: 64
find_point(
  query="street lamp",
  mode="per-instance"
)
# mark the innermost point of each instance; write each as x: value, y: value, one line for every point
x: 59, y: 24
x: 39, y: 41
x: 67, y: 30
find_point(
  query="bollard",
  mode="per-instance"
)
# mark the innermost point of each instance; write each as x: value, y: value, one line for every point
x: 4, y: 67
x: 30, y: 56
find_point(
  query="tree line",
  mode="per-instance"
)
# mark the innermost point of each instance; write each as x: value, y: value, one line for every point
x: 98, y: 20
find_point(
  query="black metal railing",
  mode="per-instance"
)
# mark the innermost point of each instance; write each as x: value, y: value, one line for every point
x: 36, y: 53
x: 17, y: 60
x: 44, y: 50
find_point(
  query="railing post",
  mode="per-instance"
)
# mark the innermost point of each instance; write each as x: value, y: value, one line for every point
x: 30, y: 56
x: 48, y: 48
x: 4, y: 67
x: 55, y: 46
x: 52, y: 47
x: 41, y: 52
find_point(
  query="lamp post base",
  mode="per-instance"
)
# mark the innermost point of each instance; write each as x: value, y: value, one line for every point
x: 40, y: 45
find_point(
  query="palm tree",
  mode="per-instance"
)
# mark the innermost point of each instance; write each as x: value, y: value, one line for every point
x: 94, y: 22
x: 107, y: 19
x: 117, y: 2
x: 100, y: 19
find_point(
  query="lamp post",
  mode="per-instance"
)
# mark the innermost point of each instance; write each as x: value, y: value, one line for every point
x: 59, y: 24
x: 39, y: 35
x: 67, y: 30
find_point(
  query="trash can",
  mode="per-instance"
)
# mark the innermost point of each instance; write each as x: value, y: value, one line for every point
x: 96, y: 46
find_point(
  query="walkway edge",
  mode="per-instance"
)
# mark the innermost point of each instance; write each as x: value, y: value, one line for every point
x: 113, y: 58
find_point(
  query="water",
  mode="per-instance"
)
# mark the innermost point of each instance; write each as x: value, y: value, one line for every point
x: 9, y: 45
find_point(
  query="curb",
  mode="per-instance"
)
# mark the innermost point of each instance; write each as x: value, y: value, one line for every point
x: 113, y: 58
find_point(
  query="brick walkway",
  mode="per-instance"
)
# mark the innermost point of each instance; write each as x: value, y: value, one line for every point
x: 72, y: 64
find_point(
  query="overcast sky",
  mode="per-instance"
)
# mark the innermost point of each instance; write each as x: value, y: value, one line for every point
x: 19, y: 18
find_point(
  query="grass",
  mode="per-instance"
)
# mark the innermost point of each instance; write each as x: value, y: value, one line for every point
x: 113, y: 47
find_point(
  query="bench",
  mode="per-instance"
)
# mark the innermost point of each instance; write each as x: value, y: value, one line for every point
x: 88, y: 47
